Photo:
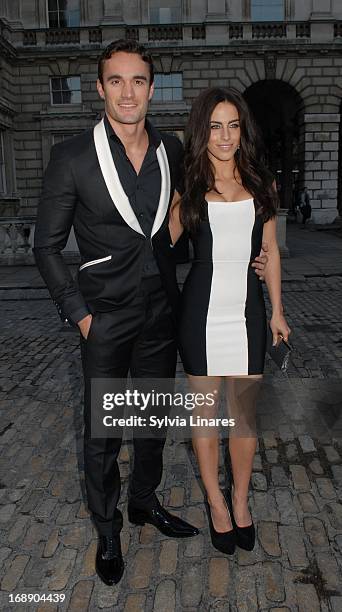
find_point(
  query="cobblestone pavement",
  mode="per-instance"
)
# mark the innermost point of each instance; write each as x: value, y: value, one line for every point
x: 47, y: 541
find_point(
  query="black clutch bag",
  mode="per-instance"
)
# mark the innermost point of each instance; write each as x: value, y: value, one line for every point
x: 279, y: 353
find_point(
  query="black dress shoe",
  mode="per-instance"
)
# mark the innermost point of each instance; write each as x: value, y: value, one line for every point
x: 168, y: 524
x: 223, y: 541
x: 109, y: 563
x: 245, y: 536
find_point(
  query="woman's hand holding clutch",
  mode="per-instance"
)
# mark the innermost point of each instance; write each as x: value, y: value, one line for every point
x: 279, y: 327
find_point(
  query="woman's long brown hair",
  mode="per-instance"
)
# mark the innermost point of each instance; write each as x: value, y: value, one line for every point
x: 249, y: 160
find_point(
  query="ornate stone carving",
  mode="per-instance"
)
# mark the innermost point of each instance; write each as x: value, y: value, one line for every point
x: 270, y: 66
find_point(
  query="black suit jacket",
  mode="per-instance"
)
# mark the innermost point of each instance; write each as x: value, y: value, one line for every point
x: 82, y: 189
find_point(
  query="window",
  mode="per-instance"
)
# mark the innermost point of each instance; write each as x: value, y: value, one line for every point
x: 64, y: 13
x: 168, y: 87
x: 3, y: 188
x: 65, y: 90
x: 165, y: 11
x: 267, y: 10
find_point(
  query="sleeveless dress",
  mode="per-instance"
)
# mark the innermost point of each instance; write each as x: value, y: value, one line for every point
x: 223, y: 319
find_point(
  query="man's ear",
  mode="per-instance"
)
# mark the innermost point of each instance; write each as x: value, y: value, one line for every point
x: 100, y: 89
x: 151, y: 92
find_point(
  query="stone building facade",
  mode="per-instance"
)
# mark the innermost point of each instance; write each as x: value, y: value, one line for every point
x: 284, y: 55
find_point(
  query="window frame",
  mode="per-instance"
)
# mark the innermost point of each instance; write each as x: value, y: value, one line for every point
x: 52, y: 91
x: 270, y: 19
x: 168, y: 22
x: 170, y: 87
x: 59, y: 13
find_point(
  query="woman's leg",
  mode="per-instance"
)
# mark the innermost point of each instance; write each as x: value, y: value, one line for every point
x: 205, y: 443
x: 241, y: 395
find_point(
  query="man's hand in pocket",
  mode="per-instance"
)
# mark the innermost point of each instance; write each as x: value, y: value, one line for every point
x: 84, y: 325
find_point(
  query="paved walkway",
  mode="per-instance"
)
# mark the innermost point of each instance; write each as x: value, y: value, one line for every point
x: 47, y: 540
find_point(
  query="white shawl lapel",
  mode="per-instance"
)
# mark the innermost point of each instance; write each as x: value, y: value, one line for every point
x: 115, y: 188
x: 111, y: 178
x: 165, y: 188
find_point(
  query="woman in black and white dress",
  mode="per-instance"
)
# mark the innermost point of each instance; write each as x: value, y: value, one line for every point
x: 229, y: 208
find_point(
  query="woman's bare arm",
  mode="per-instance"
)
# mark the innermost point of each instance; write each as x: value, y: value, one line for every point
x: 175, y: 225
x: 273, y: 281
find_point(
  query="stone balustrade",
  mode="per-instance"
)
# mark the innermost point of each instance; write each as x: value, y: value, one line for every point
x: 303, y: 30
x: 236, y: 31
x: 95, y: 35
x: 16, y: 236
x: 165, y: 32
x: 132, y: 32
x: 198, y: 32
x: 187, y: 32
x: 268, y: 30
x: 62, y: 36
x: 29, y: 38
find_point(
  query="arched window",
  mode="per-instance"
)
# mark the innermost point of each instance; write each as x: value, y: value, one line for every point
x: 267, y: 10
x: 165, y: 11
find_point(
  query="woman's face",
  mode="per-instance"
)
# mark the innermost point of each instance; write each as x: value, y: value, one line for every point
x: 224, y: 139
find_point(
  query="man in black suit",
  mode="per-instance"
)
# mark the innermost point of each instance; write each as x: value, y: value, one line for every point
x: 115, y: 185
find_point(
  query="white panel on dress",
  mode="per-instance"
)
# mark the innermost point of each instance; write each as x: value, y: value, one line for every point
x: 231, y: 226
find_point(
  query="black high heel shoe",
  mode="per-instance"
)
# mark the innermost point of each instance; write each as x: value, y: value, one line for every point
x: 222, y: 541
x: 245, y: 536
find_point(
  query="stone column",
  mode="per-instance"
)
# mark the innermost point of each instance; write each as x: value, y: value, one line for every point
x: 281, y: 232
x: 321, y: 164
x: 287, y: 165
x: 246, y: 10
x: 339, y: 187
x: 322, y: 29
x: 289, y: 10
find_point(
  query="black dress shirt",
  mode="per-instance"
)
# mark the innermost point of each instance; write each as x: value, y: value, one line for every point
x: 143, y: 189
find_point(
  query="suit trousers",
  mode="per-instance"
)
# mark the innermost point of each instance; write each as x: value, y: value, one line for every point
x: 138, y: 338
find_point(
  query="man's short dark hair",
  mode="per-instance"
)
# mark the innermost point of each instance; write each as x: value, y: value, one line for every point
x: 127, y: 46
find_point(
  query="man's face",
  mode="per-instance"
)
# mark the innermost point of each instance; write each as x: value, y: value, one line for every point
x: 126, y: 87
